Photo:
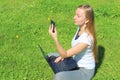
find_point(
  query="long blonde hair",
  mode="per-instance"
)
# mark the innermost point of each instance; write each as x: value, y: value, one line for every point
x: 90, y: 26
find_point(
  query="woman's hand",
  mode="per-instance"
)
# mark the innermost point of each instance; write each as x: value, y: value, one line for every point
x: 58, y: 59
x: 53, y: 34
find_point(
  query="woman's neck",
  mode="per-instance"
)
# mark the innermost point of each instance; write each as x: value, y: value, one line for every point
x: 82, y: 30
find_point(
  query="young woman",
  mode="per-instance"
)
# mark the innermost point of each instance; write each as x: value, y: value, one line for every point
x: 83, y: 46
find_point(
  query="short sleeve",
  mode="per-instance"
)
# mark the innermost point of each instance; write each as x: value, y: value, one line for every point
x: 84, y: 38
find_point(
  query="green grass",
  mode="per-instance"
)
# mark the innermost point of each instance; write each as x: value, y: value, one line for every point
x: 24, y: 24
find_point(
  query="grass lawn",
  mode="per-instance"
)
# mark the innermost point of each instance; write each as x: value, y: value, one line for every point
x: 24, y: 24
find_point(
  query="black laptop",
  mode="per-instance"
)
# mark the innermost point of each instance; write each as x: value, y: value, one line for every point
x: 65, y: 65
x: 50, y: 60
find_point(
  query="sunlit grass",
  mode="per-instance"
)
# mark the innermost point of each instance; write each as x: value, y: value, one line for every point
x: 24, y: 24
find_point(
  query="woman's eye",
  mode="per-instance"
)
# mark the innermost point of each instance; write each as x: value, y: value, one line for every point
x: 78, y: 16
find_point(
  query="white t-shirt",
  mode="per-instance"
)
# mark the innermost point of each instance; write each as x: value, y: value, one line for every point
x: 85, y: 58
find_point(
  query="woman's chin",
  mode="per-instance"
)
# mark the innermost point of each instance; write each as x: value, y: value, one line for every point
x: 76, y: 24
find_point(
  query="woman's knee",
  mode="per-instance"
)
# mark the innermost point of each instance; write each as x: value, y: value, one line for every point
x: 53, y: 54
x: 59, y: 76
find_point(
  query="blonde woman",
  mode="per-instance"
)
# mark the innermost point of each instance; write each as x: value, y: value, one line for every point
x: 83, y: 47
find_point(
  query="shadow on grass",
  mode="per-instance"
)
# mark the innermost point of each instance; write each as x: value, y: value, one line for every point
x: 101, y: 52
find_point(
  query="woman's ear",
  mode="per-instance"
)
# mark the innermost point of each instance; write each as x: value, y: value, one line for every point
x: 87, y: 20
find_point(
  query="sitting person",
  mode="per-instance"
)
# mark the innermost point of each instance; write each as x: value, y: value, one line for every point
x: 83, y: 46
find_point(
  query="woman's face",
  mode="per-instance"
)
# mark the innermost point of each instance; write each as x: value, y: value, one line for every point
x: 79, y: 17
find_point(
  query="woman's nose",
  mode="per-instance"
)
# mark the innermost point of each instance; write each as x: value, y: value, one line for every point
x: 74, y: 17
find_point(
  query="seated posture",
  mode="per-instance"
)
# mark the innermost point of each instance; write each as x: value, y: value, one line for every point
x: 83, y: 48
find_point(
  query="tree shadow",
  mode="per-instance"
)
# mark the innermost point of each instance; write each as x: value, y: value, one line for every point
x: 101, y: 52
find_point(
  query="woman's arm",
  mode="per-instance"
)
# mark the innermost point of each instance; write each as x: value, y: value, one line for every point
x: 70, y: 52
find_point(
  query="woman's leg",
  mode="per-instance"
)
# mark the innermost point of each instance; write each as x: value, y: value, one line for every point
x: 53, y: 54
x: 81, y: 74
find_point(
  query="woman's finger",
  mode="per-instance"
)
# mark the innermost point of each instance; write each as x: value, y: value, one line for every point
x: 57, y: 59
x: 50, y: 29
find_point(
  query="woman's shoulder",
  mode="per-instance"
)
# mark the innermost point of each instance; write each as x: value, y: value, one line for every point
x: 86, y: 35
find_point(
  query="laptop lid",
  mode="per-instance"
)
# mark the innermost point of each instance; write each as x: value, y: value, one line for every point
x: 49, y: 60
x: 43, y: 53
